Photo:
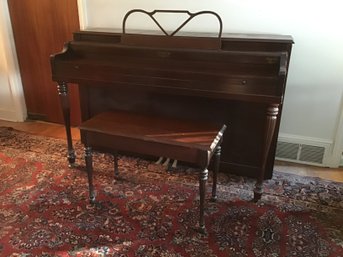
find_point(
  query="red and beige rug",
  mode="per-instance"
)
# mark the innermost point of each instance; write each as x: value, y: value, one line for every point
x: 44, y: 209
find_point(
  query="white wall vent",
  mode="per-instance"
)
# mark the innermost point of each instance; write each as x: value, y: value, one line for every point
x: 287, y: 150
x: 310, y: 153
x: 301, y: 153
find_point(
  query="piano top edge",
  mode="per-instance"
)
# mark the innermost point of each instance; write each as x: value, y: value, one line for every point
x: 225, y: 36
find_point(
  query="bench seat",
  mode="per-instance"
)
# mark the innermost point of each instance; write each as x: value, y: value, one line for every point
x: 183, y: 140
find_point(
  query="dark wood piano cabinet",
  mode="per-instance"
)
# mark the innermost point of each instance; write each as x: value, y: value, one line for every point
x: 241, y: 83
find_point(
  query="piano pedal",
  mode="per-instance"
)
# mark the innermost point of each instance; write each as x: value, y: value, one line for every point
x: 174, y: 165
x: 159, y: 161
x: 167, y: 163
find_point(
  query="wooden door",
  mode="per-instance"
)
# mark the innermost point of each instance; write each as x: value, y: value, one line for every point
x: 41, y: 27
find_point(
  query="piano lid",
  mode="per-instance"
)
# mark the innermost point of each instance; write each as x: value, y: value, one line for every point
x: 250, y: 68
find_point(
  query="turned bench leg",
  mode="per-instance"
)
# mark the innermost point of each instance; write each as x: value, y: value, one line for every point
x: 217, y: 153
x: 203, y: 176
x: 202, y: 190
x: 89, y: 167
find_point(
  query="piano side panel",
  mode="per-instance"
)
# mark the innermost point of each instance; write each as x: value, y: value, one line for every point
x: 241, y: 152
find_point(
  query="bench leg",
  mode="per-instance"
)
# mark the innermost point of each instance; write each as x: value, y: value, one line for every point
x: 202, y: 190
x: 115, y: 161
x: 89, y: 167
x: 217, y: 153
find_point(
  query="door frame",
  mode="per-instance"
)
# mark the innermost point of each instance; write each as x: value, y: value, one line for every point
x: 337, y: 146
x: 82, y: 10
x: 12, y: 66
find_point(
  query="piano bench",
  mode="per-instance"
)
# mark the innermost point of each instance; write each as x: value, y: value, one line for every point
x: 192, y: 142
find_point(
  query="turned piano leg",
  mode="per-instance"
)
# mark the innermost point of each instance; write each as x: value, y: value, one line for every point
x: 203, y: 176
x: 64, y: 99
x: 271, y: 118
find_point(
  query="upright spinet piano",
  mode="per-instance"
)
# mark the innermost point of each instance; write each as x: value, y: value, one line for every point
x: 234, y: 79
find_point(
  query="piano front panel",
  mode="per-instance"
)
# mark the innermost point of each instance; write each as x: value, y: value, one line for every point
x: 218, y: 74
x: 233, y: 85
x: 242, y: 141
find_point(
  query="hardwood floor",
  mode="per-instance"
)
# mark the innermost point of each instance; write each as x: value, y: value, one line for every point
x: 308, y: 170
x: 41, y: 128
x: 57, y: 131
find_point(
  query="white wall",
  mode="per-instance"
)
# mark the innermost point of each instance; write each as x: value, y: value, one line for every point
x: 315, y: 82
x: 12, y: 103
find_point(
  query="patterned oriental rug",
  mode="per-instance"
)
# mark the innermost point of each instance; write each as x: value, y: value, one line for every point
x: 44, y: 209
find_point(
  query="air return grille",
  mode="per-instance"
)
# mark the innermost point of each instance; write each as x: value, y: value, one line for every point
x: 300, y: 152
x: 310, y: 153
x: 287, y: 150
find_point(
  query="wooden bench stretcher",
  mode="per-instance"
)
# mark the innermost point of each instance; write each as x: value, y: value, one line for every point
x: 183, y: 140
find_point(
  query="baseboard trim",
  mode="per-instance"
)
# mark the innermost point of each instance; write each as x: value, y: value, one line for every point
x: 9, y: 115
x: 36, y: 116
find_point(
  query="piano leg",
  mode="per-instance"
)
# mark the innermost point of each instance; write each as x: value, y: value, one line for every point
x: 63, y: 93
x: 202, y: 190
x: 271, y: 117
